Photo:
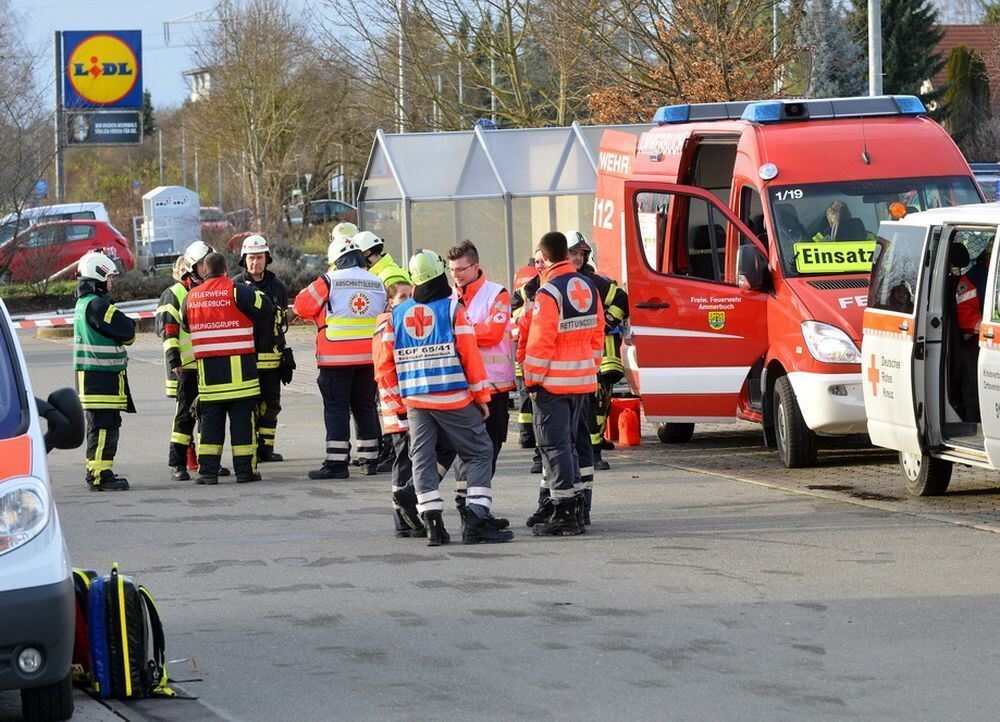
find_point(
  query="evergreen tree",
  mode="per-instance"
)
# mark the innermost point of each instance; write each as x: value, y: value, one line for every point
x: 910, y: 34
x: 838, y: 65
x: 967, y: 98
x: 148, y: 117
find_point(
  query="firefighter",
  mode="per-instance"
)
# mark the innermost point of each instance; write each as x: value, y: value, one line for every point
x: 488, y: 307
x: 521, y: 303
x: 583, y: 256
x: 220, y: 315
x: 255, y: 256
x: 561, y: 357
x: 432, y: 370
x: 100, y: 334
x: 344, y: 303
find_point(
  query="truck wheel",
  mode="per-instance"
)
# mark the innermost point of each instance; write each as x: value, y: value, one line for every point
x: 674, y: 433
x: 51, y: 702
x: 925, y: 475
x: 795, y: 441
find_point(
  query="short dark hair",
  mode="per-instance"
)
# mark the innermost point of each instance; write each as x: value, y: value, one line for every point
x: 215, y: 263
x: 465, y: 249
x: 553, y: 246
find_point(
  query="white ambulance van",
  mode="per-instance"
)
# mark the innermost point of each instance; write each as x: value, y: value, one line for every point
x: 37, y: 601
x: 931, y: 343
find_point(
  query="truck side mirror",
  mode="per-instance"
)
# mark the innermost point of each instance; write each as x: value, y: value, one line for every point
x: 64, y: 416
x: 752, y: 273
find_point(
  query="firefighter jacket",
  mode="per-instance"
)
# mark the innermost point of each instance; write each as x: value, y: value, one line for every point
x: 390, y: 272
x: 565, y: 340
x: 220, y: 318
x: 269, y: 333
x: 392, y: 422
x: 520, y: 305
x: 615, y: 303
x: 431, y: 360
x: 488, y: 307
x: 343, y: 303
x: 100, y: 334
x: 177, y: 349
x: 967, y: 305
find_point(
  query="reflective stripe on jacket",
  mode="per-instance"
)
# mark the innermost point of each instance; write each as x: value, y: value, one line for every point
x: 566, y: 336
x: 92, y: 350
x: 392, y: 422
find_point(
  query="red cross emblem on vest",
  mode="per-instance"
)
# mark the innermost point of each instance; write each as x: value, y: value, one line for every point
x: 359, y: 303
x: 579, y: 294
x: 419, y: 321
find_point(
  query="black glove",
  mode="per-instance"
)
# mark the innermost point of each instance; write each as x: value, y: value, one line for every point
x: 287, y: 366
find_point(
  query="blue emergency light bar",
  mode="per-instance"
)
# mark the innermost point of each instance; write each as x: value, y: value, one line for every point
x: 773, y: 111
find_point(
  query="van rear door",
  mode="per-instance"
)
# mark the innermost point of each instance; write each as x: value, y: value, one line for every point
x: 989, y: 362
x: 891, y: 347
x: 694, y: 333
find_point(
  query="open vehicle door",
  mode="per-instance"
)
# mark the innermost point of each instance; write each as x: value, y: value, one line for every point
x: 695, y: 332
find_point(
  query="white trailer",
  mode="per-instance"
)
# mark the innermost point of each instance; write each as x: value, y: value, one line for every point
x: 171, y: 221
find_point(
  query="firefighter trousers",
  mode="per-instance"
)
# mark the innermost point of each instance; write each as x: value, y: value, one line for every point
x: 184, y: 421
x: 466, y: 433
x: 212, y: 436
x: 348, y: 390
x: 496, y: 427
x: 525, y: 424
x: 563, y: 437
x: 268, y: 409
x: 103, y: 430
x: 597, y: 416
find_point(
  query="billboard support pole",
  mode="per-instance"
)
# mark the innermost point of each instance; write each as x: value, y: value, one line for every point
x: 60, y: 171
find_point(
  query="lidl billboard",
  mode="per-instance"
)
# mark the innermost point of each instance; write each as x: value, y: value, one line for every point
x: 102, y: 69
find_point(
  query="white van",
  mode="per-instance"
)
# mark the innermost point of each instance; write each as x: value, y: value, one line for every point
x: 931, y: 376
x: 37, y: 601
x: 11, y: 224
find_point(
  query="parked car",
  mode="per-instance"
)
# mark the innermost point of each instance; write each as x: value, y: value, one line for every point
x: 14, y: 223
x: 37, y: 600
x: 988, y: 177
x: 327, y: 210
x: 213, y: 220
x: 47, y: 248
x: 292, y: 216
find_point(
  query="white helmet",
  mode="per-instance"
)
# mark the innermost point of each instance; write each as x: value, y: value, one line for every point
x: 343, y: 230
x: 340, y: 246
x: 96, y: 266
x: 196, y: 252
x: 254, y: 244
x: 366, y: 241
x: 575, y: 240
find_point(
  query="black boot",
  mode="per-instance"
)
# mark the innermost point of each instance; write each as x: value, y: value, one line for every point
x: 536, y: 466
x: 386, y: 457
x: 578, y: 510
x: 223, y: 471
x: 588, y: 495
x: 247, y: 478
x: 403, y: 528
x: 405, y: 501
x: 436, y: 533
x: 562, y: 522
x: 462, y: 512
x: 267, y: 454
x: 109, y: 482
x: 179, y: 473
x: 369, y: 469
x: 330, y: 472
x: 480, y: 531
x: 607, y: 445
x: 496, y: 522
x: 542, y: 513
x: 206, y: 480
x: 599, y: 463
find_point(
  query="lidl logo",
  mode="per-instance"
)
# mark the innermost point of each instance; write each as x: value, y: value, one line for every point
x: 103, y: 69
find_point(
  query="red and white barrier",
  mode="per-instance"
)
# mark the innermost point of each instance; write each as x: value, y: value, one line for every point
x: 68, y: 320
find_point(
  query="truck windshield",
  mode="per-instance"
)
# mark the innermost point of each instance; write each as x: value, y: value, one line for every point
x: 829, y: 228
x: 12, y: 410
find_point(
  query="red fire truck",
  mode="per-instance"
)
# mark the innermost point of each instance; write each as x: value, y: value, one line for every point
x: 744, y: 233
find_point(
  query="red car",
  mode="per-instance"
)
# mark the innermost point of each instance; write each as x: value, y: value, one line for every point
x: 48, y: 248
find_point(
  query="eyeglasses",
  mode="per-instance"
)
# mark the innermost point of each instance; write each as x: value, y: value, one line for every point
x: 463, y: 269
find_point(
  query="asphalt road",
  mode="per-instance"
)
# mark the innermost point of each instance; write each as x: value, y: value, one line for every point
x: 712, y: 585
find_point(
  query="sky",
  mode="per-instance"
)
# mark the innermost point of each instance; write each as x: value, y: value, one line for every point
x: 163, y: 63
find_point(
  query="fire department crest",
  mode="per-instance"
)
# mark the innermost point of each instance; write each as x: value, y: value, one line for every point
x: 419, y: 321
x: 359, y: 303
x: 716, y: 320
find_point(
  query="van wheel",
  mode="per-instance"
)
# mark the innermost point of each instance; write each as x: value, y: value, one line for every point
x: 925, y: 475
x: 674, y: 433
x: 795, y: 441
x: 51, y: 702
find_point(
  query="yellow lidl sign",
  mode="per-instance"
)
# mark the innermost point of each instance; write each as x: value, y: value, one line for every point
x: 834, y: 256
x: 102, y: 69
